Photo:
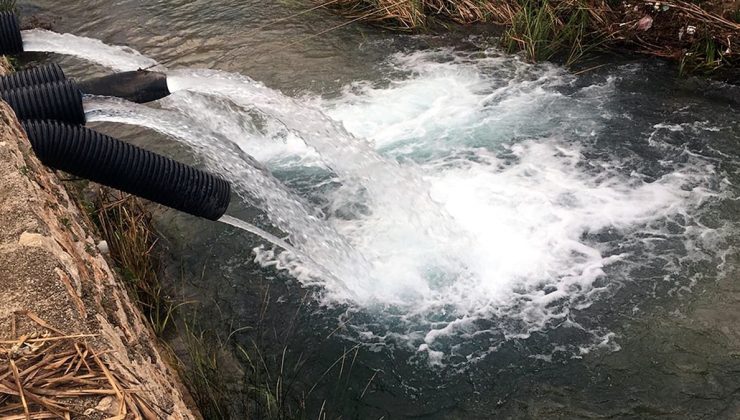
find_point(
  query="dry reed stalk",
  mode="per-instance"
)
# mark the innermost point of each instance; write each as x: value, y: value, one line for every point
x: 415, y: 14
x: 569, y: 29
x: 710, y: 46
x: 56, y: 375
x: 701, y: 15
x: 128, y: 229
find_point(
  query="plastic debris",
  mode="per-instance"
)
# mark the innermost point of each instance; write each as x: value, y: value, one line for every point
x: 645, y: 23
x: 103, y: 247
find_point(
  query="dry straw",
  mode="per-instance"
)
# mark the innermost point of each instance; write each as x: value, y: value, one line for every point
x: 49, y: 374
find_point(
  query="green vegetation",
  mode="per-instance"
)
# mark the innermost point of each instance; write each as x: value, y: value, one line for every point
x: 127, y: 227
x: 702, y: 37
x: 225, y: 379
x: 228, y: 380
x: 203, y: 374
x: 543, y: 30
x: 247, y: 378
x: 705, y: 57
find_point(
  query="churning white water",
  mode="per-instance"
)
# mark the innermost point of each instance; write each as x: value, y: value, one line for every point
x: 254, y: 184
x: 457, y: 198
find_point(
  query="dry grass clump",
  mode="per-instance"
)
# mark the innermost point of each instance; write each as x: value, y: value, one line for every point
x: 56, y: 375
x: 410, y: 15
x: 701, y: 36
x: 204, y: 359
x: 127, y: 227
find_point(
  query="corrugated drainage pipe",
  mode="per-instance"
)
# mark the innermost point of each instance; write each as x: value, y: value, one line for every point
x: 11, y: 42
x: 60, y: 101
x: 30, y: 77
x: 108, y: 161
x: 139, y: 86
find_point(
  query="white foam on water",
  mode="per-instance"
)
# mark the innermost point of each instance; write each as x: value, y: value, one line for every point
x: 367, y: 178
x: 119, y: 58
x: 476, y: 217
x: 501, y: 148
x: 310, y: 235
x: 450, y: 100
x: 450, y: 97
x: 529, y: 218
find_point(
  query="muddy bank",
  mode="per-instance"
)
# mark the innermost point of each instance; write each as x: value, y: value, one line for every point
x: 64, y: 307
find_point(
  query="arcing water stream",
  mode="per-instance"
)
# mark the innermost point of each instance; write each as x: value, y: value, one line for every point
x: 465, y: 205
x: 114, y: 57
x: 253, y: 183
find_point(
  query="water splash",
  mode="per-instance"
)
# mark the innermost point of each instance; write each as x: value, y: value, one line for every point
x: 365, y: 175
x: 518, y: 173
x: 473, y: 206
x: 525, y: 208
x: 306, y: 231
x: 303, y: 259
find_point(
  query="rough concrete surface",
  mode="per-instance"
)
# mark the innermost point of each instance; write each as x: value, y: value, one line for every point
x: 49, y: 265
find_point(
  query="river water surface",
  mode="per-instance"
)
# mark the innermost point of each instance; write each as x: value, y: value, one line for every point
x: 473, y: 236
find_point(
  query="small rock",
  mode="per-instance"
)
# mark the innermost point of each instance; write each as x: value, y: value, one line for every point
x: 103, y: 247
x: 105, y: 406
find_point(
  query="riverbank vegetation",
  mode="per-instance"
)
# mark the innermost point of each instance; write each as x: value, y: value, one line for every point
x: 131, y: 241
x: 703, y: 36
x: 224, y: 378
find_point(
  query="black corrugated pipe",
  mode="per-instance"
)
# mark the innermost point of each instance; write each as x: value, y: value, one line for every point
x: 60, y: 101
x: 136, y: 86
x: 11, y: 42
x: 35, y: 76
x: 88, y: 154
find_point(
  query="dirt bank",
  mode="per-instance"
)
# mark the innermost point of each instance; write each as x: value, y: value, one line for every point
x: 71, y: 341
